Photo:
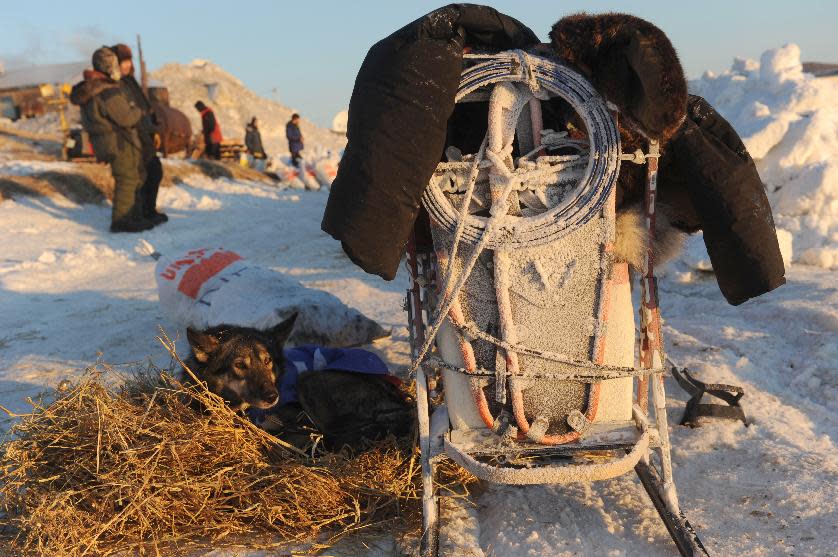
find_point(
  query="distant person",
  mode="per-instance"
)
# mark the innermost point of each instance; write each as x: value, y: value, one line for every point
x: 149, y: 137
x: 211, y: 130
x: 253, y: 142
x: 295, y: 139
x: 111, y: 120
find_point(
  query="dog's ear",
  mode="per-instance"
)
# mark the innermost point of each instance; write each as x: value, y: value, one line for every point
x: 203, y: 345
x: 279, y: 333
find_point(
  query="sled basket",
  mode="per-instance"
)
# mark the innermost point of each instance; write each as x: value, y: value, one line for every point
x: 517, y: 306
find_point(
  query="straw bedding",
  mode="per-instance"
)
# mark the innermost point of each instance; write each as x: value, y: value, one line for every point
x: 101, y: 468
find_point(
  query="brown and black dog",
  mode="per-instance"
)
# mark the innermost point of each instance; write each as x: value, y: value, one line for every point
x: 244, y: 366
x: 240, y: 364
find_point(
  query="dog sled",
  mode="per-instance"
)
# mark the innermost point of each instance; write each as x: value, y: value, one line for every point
x: 520, y: 315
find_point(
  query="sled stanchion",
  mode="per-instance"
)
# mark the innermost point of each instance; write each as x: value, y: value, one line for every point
x: 429, y: 543
x: 430, y: 501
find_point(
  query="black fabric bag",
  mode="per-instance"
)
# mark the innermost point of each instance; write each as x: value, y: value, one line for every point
x: 398, y: 113
x: 708, y: 160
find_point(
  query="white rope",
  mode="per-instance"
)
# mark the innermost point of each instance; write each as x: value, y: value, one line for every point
x: 497, y: 147
x: 448, y: 296
x: 458, y: 233
x: 602, y: 168
x: 602, y: 164
x: 451, y: 296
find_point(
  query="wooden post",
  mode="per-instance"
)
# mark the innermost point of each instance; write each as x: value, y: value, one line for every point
x: 143, y: 73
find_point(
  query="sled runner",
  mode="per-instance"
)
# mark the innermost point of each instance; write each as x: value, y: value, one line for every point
x: 519, y: 308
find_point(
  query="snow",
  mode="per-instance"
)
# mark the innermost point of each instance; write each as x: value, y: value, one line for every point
x: 71, y: 294
x: 788, y: 120
x: 27, y: 168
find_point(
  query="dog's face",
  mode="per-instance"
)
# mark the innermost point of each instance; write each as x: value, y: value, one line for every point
x: 241, y: 365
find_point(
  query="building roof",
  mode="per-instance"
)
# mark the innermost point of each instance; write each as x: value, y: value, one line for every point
x: 820, y: 69
x: 38, y: 75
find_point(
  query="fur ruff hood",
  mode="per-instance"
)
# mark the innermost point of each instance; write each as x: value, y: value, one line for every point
x: 631, y: 237
x: 94, y: 84
x: 631, y: 63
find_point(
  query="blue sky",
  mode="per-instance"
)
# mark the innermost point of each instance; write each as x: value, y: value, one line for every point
x: 306, y: 53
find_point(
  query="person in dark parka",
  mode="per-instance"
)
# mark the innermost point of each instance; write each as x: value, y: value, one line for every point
x: 211, y: 130
x: 111, y: 119
x: 411, y: 77
x: 253, y: 139
x: 295, y: 139
x: 148, y: 135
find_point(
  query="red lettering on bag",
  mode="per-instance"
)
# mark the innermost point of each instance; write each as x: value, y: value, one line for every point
x: 196, y: 275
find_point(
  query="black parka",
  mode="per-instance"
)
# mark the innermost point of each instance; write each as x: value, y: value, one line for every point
x: 107, y: 115
x: 403, y: 97
x: 403, y: 101
x: 147, y: 126
x: 253, y: 141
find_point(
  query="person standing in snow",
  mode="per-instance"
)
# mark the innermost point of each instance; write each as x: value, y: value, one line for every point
x: 111, y: 118
x: 253, y: 142
x: 295, y: 139
x: 149, y: 138
x: 211, y: 130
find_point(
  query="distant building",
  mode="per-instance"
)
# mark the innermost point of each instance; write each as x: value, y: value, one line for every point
x: 820, y: 69
x: 24, y: 91
x: 339, y: 122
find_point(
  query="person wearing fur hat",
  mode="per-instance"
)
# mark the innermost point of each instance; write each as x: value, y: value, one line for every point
x: 148, y: 135
x: 111, y: 118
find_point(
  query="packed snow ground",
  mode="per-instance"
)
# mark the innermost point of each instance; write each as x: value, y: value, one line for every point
x: 71, y: 293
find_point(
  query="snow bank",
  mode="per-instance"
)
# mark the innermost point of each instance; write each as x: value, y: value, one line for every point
x: 30, y: 167
x: 789, y: 123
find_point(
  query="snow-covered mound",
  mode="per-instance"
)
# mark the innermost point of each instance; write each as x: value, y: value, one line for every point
x: 789, y: 123
x: 234, y: 105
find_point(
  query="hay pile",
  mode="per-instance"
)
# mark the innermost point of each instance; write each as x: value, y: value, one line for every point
x: 102, y: 469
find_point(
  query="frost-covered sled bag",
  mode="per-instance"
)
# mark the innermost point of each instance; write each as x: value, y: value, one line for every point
x: 530, y: 326
x: 214, y: 286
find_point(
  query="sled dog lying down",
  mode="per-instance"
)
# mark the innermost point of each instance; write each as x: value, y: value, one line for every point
x: 347, y: 395
x: 240, y: 364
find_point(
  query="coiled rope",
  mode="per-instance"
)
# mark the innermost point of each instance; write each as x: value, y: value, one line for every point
x: 578, y: 206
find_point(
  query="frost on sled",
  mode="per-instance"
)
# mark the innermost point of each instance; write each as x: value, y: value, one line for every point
x: 522, y: 180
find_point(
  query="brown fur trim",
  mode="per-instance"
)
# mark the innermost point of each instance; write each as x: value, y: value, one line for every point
x: 94, y: 84
x: 631, y: 236
x: 631, y: 63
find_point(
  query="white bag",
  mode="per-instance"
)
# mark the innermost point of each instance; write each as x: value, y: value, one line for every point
x: 326, y: 170
x: 308, y: 177
x: 288, y: 175
x: 213, y: 286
